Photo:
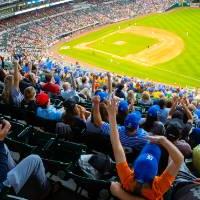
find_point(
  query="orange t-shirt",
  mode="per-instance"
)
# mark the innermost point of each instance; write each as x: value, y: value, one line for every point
x: 160, y: 185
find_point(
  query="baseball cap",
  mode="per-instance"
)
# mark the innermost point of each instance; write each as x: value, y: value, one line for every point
x: 158, y: 128
x: 151, y: 89
x: 66, y: 69
x: 146, y: 164
x: 173, y: 129
x: 132, y: 120
x: 42, y: 99
x: 57, y: 79
x: 197, y: 112
x: 123, y: 106
x: 153, y: 111
x: 103, y: 95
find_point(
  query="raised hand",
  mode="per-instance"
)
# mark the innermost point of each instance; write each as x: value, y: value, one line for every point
x: 184, y: 101
x: 108, y: 74
x: 111, y: 107
x: 96, y: 100
x: 175, y: 99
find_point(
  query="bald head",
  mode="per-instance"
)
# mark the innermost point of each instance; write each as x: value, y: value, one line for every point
x: 66, y: 86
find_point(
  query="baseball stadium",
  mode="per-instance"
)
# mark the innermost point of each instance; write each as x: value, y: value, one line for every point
x: 99, y: 99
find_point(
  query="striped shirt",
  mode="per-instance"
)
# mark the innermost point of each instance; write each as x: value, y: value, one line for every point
x: 136, y: 141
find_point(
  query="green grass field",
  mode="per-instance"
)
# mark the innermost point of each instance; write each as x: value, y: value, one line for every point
x: 108, y: 45
x: 183, y: 70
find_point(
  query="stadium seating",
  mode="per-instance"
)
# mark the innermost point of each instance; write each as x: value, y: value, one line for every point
x: 83, y: 131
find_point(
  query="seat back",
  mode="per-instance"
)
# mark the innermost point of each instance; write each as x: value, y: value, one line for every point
x: 5, y: 109
x: 19, y: 149
x: 64, y: 151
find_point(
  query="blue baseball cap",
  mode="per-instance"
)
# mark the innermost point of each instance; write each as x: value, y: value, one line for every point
x: 153, y: 111
x: 132, y: 120
x: 66, y: 69
x: 146, y: 165
x: 57, y: 79
x: 103, y: 95
x: 123, y: 106
x: 197, y: 112
x: 151, y: 89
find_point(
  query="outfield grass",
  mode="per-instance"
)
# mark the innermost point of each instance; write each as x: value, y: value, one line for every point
x: 183, y: 70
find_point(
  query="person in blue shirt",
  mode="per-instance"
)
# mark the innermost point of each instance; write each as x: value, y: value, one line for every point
x: 45, y: 110
x: 130, y: 134
x: 164, y: 112
x: 68, y: 92
x: 26, y: 68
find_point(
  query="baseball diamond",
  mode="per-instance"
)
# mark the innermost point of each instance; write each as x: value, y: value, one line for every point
x: 160, y: 47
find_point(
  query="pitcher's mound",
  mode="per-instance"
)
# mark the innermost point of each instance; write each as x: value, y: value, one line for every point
x: 119, y: 42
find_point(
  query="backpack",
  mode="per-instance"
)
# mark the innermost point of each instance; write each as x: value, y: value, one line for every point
x: 97, y: 166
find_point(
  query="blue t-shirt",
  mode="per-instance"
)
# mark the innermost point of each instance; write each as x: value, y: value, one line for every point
x: 163, y: 114
x: 50, y: 113
x: 91, y: 128
x: 26, y: 69
x: 68, y: 94
x: 136, y: 141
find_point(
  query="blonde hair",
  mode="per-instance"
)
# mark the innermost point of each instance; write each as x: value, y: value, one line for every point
x: 8, y: 84
x: 131, y: 95
x: 145, y: 96
x: 31, y: 78
x: 29, y: 93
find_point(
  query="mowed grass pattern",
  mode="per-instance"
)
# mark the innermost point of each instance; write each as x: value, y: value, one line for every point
x: 184, y: 70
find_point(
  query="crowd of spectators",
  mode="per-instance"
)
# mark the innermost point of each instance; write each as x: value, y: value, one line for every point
x: 36, y: 30
x: 150, y: 118
x: 159, y: 123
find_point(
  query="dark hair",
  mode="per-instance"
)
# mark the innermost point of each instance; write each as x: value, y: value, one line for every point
x: 149, y: 123
x: 172, y: 133
x: 105, y: 87
x: 44, y: 106
x: 103, y: 112
x: 69, y: 106
x: 120, y: 86
x: 162, y: 103
x: 121, y: 115
x: 113, y: 85
x: 158, y: 128
x: 48, y: 77
x: 84, y: 79
x: 169, y: 104
x: 178, y: 114
x: 130, y: 129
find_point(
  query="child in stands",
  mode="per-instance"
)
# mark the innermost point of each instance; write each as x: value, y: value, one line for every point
x: 142, y: 179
